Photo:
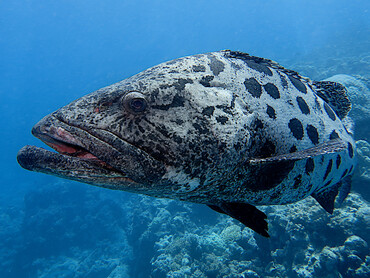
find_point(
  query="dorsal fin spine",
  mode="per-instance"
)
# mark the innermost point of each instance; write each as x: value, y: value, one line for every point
x: 266, y: 62
x: 332, y: 93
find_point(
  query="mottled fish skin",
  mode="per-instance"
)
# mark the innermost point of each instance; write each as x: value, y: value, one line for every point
x: 207, y: 117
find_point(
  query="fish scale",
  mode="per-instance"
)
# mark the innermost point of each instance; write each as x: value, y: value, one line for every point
x: 225, y: 129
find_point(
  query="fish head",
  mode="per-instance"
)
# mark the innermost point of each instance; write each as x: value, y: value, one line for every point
x: 160, y: 132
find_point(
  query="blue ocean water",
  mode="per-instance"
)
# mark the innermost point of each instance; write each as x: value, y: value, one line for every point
x: 52, y: 52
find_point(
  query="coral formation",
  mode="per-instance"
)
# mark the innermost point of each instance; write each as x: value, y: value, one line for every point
x: 363, y: 154
x: 102, y: 234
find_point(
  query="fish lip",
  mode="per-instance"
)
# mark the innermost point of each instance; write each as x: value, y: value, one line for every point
x: 57, y: 138
x: 94, y: 145
x: 69, y: 148
x: 61, y: 140
x: 49, y: 131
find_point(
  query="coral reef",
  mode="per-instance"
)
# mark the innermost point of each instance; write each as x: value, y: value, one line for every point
x: 305, y: 242
x: 64, y: 230
x: 77, y: 231
x: 363, y: 154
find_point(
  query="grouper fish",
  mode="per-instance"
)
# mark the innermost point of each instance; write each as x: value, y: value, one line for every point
x: 225, y: 129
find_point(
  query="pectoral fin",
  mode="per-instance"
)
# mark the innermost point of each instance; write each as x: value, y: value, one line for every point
x: 247, y: 214
x: 332, y: 146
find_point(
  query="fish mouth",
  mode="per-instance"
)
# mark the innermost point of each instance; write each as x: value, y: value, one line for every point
x: 89, y: 155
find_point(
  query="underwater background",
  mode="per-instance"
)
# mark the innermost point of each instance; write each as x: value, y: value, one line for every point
x: 53, y: 52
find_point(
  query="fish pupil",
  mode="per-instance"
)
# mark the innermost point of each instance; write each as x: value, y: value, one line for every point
x: 138, y: 104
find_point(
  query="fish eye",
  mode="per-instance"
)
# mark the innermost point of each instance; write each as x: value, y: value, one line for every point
x: 135, y: 102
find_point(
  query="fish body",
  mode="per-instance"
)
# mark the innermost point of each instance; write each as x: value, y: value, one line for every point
x: 224, y: 129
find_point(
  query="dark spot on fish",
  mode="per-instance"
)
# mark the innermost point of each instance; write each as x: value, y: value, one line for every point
x: 344, y: 173
x: 206, y: 79
x: 313, y: 134
x: 267, y: 149
x: 258, y: 124
x: 350, y: 150
x: 179, y: 121
x: 164, y: 86
x: 338, y: 161
x: 272, y: 90
x: 310, y: 166
x: 199, y: 68
x: 293, y: 149
x: 235, y: 66
x: 141, y: 129
x: 154, y: 94
x: 208, y: 111
x: 216, y: 65
x: 271, y: 112
x: 328, y: 183
x: 159, y: 153
x: 303, y: 106
x: 275, y: 195
x: 284, y: 83
x: 225, y: 108
x: 253, y: 87
x: 177, y: 101
x: 201, y: 128
x: 297, y: 181
x: 298, y: 84
x: 222, y: 119
x: 232, y: 104
x: 329, y: 111
x: 237, y: 146
x: 177, y: 139
x: 187, y: 170
x: 322, y: 159
x: 174, y: 61
x: 317, y: 104
x: 328, y: 169
x: 333, y: 135
x: 267, y: 176
x: 296, y: 128
x: 163, y: 131
x: 258, y: 67
x: 181, y: 82
x: 350, y: 169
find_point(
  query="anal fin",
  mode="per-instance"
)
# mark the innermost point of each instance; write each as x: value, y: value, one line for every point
x: 338, y: 192
x: 326, y: 198
x: 247, y: 214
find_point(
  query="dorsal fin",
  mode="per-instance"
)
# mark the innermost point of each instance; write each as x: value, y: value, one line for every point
x: 335, y: 94
x: 266, y: 62
x: 332, y: 93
